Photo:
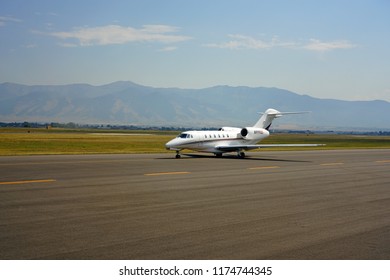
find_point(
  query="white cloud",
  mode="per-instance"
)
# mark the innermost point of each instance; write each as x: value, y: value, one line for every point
x: 116, y: 34
x: 243, y: 42
x: 168, y: 49
x: 240, y: 42
x: 4, y: 20
x: 31, y: 46
x: 317, y: 45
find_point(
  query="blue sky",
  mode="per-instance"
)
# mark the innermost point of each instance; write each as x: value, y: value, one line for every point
x: 327, y: 49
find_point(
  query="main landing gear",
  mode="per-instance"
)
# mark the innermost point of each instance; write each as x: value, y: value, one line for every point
x: 240, y: 154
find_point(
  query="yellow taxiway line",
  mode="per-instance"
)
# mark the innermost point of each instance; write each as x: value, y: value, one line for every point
x: 332, y: 163
x: 167, y: 173
x: 27, y: 182
x: 263, y: 167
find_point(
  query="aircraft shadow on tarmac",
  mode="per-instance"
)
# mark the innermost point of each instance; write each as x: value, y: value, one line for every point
x: 231, y: 157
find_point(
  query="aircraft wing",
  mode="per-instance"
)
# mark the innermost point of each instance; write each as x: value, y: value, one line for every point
x: 232, y: 148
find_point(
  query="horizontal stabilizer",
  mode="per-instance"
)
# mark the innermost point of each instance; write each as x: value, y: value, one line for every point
x: 270, y: 114
x: 281, y: 114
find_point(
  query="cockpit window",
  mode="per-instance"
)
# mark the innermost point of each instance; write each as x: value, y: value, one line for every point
x: 183, y: 135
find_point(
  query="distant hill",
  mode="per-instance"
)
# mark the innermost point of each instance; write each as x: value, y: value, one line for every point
x: 133, y: 104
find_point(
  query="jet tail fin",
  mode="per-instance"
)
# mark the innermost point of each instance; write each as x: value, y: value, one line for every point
x: 269, y: 115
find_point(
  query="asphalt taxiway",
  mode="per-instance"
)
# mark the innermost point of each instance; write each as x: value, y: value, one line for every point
x: 322, y: 204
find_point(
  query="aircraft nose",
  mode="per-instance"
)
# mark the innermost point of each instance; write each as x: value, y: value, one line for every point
x: 172, y: 145
x: 168, y: 145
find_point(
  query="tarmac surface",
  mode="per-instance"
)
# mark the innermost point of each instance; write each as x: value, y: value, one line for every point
x: 322, y: 204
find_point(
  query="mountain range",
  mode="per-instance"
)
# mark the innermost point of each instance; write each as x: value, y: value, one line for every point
x: 132, y: 104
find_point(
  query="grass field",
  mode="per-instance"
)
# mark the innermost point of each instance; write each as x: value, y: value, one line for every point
x: 61, y: 141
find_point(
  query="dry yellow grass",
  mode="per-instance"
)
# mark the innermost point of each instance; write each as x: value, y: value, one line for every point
x: 46, y: 142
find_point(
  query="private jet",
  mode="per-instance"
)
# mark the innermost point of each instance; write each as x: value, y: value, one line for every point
x: 231, y: 139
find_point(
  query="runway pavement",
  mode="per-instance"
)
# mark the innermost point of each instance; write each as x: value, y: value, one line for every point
x: 324, y: 204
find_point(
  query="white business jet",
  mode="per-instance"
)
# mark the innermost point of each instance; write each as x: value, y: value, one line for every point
x: 231, y: 139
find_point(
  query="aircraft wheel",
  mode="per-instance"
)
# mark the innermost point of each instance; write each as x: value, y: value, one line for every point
x: 241, y: 155
x: 218, y: 154
x: 178, y: 155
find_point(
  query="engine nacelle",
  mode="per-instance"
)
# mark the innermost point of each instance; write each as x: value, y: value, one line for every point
x: 252, y: 133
